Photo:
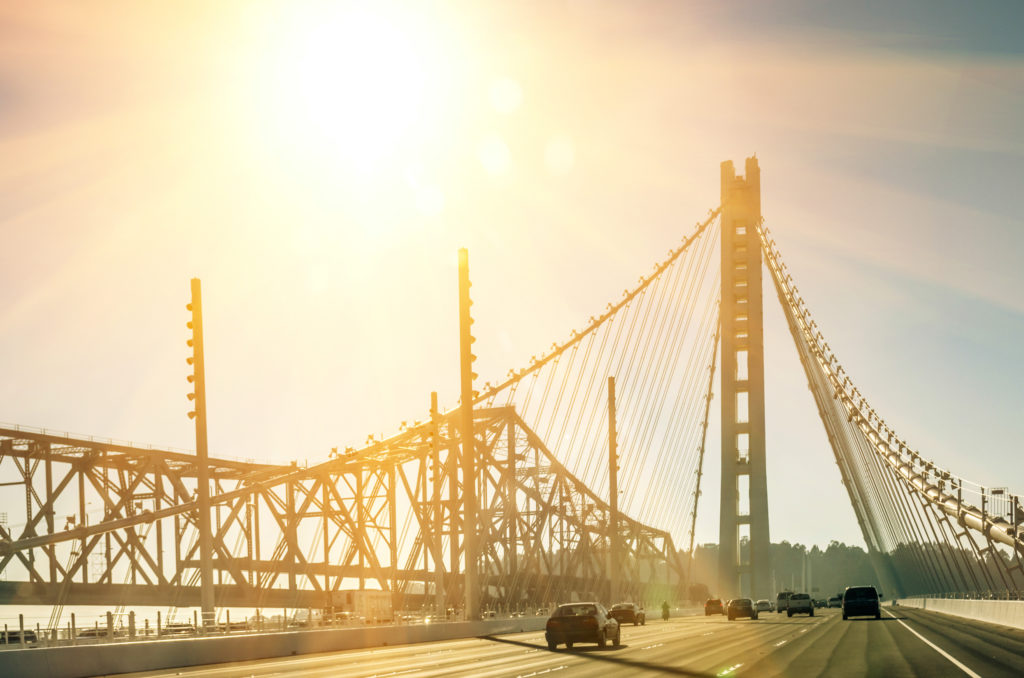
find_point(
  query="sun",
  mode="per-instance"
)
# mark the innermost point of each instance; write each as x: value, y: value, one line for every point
x: 360, y: 83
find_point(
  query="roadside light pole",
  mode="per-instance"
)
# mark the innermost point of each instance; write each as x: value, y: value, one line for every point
x: 198, y: 396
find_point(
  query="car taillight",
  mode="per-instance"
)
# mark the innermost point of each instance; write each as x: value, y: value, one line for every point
x: 590, y: 621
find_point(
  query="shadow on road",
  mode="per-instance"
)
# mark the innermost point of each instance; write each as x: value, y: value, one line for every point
x: 606, y: 654
x: 761, y: 622
x: 596, y: 648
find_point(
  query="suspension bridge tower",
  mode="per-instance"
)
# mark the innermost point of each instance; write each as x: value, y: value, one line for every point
x: 744, y: 496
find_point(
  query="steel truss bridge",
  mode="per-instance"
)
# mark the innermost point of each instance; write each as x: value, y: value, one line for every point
x: 288, y: 537
x: 511, y: 498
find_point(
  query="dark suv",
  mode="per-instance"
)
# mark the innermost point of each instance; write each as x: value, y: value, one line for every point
x: 581, y: 623
x: 861, y: 601
x: 713, y: 606
x: 741, y: 607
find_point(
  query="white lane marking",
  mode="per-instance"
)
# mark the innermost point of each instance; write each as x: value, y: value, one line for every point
x: 729, y: 671
x: 934, y: 646
x: 537, y: 673
x: 648, y: 647
x: 780, y: 643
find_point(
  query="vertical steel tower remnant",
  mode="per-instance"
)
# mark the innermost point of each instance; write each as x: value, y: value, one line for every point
x: 469, y: 452
x: 615, y: 554
x: 198, y: 380
x: 744, y: 497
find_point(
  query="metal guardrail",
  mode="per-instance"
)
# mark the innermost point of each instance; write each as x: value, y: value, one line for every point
x: 109, y: 632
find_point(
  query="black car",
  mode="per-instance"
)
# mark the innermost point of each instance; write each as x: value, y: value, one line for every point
x: 581, y: 623
x: 861, y: 601
x: 629, y: 613
x: 713, y: 606
x: 741, y: 607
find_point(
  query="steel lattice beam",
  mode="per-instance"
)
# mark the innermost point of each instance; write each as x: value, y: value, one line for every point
x: 108, y: 523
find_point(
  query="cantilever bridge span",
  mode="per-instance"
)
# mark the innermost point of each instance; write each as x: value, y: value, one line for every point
x: 508, y: 499
x: 381, y: 517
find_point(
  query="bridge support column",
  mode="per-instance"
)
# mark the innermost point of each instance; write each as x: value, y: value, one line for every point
x: 744, y: 495
x: 469, y: 453
x: 615, y: 567
x: 202, y: 461
x: 511, y: 517
x: 436, y: 542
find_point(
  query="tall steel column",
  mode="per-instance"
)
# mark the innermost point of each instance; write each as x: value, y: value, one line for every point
x: 436, y: 542
x: 469, y: 475
x: 615, y: 570
x: 743, y: 443
x: 511, y: 515
x: 198, y: 379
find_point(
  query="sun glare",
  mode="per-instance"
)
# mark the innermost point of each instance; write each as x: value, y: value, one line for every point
x: 506, y: 95
x: 559, y: 154
x: 359, y: 82
x: 494, y: 155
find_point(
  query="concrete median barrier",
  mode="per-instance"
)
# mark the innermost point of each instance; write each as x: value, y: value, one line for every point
x: 1004, y: 612
x: 104, y: 659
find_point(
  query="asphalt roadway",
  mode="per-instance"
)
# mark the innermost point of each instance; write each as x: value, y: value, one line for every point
x: 905, y: 642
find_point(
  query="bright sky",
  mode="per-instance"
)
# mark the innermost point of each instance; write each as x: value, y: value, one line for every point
x: 318, y: 165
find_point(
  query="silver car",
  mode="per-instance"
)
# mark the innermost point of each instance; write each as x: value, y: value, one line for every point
x: 800, y: 603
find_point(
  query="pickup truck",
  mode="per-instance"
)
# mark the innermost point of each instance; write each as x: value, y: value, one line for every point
x: 800, y: 603
x: 581, y: 623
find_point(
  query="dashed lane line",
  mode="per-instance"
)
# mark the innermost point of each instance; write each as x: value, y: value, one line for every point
x: 391, y: 673
x: 540, y: 673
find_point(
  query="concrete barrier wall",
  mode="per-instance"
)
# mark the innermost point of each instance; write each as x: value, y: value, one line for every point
x: 1004, y: 612
x: 95, y: 660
